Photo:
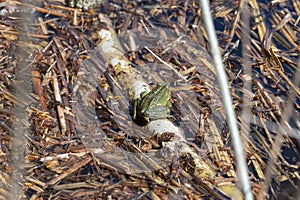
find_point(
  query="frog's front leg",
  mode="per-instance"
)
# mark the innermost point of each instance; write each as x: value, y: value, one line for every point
x: 158, y: 112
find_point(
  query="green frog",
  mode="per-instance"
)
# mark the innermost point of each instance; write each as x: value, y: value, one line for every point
x: 152, y: 105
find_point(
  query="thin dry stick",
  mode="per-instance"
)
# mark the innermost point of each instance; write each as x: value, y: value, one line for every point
x: 60, y: 111
x: 73, y: 169
x: 222, y: 79
x: 46, y: 11
x: 25, y: 34
x: 168, y: 65
x: 235, y: 22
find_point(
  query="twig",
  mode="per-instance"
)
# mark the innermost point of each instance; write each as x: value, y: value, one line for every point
x: 25, y: 34
x: 49, y: 12
x: 168, y: 65
x: 37, y: 87
x: 77, y: 166
x: 60, y: 111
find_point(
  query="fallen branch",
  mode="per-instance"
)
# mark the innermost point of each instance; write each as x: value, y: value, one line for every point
x: 113, y: 54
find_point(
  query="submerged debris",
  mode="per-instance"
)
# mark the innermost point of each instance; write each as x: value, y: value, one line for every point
x: 81, y: 141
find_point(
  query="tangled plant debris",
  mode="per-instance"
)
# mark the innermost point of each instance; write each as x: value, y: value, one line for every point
x: 79, y: 139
